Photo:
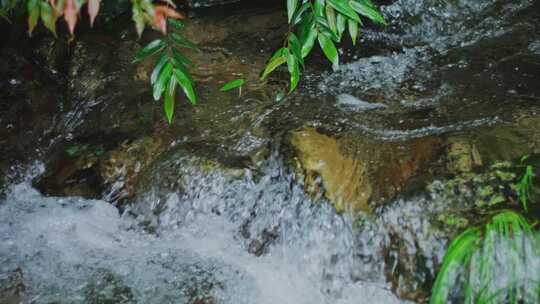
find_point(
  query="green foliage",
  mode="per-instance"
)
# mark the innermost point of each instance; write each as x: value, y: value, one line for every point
x: 488, y: 264
x: 524, y: 185
x: 321, y: 21
x: 6, y: 6
x: 237, y: 83
x: 171, y: 69
x: 310, y: 21
x: 474, y: 259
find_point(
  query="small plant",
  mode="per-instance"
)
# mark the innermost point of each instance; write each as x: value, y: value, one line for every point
x: 322, y: 21
x: 489, y: 264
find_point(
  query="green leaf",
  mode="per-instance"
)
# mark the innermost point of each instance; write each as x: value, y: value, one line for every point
x: 232, y: 85
x: 353, y: 30
x: 291, y: 8
x: 48, y: 17
x: 294, y: 70
x: 184, y: 70
x: 163, y: 80
x: 186, y: 84
x: 160, y: 63
x: 150, y: 49
x: 308, y: 44
x: 345, y: 8
x: 341, y: 24
x: 168, y: 105
x: 279, y: 58
x: 299, y: 15
x: 177, y: 24
x: 178, y: 56
x: 184, y: 42
x: 33, y: 15
x: 329, y: 50
x: 138, y: 17
x: 331, y: 18
x: 318, y: 8
x: 296, y: 48
x: 458, y: 253
x: 367, y: 9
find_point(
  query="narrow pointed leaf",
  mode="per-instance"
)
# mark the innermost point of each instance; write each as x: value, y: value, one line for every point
x: 308, y: 44
x: 294, y: 71
x: 150, y: 49
x: 182, y: 41
x: 341, y: 24
x: 232, y: 85
x: 353, y: 30
x: 48, y: 17
x: 299, y: 14
x: 331, y: 18
x: 366, y: 9
x: 168, y: 105
x: 93, y: 9
x: 138, y: 18
x: 178, y: 56
x: 186, y: 85
x: 345, y: 8
x: 163, y: 80
x: 33, y: 15
x: 71, y: 11
x: 291, y: 8
x: 164, y: 59
x: 279, y: 58
x: 329, y: 50
x: 296, y: 48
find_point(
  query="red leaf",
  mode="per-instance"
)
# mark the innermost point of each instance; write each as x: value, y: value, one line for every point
x: 161, y: 13
x: 93, y: 9
x: 70, y: 15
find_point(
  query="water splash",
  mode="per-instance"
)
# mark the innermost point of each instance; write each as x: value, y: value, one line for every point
x: 235, y: 241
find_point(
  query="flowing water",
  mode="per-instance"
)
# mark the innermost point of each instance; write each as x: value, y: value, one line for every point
x: 208, y: 235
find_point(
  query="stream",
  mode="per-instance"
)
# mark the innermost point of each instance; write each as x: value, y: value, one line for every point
x: 337, y: 194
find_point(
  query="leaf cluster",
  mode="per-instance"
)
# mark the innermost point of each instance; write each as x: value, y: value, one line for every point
x: 321, y: 22
x: 171, y: 69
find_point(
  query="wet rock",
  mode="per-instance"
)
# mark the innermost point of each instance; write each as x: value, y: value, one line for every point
x: 30, y: 99
x: 72, y: 176
x: 344, y: 180
x: 12, y: 287
x: 107, y: 288
x: 354, y: 171
x: 90, y: 171
x: 105, y: 91
x: 123, y: 166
